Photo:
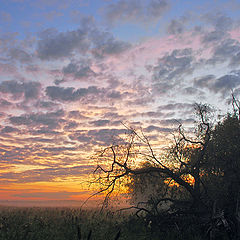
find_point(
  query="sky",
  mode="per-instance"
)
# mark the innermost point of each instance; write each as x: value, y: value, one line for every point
x: 74, y: 72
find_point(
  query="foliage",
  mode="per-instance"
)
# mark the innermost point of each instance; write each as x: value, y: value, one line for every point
x: 222, y: 162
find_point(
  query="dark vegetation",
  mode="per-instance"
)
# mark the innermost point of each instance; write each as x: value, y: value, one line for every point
x: 193, y: 188
x: 75, y: 224
x: 56, y: 224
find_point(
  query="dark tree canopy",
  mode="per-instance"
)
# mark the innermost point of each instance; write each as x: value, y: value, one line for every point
x: 222, y: 161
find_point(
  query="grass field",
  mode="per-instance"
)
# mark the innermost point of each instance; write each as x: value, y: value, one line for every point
x: 76, y: 224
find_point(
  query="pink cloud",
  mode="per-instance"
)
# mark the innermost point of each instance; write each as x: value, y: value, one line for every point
x: 150, y: 50
x: 7, y: 69
x: 235, y: 34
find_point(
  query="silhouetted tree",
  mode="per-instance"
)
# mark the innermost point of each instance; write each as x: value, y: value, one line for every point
x: 196, y: 172
x: 184, y: 161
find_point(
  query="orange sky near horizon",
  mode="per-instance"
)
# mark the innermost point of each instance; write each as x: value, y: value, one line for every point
x: 74, y: 74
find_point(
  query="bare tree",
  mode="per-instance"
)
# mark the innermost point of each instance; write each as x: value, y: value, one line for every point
x: 197, y: 175
x: 119, y: 164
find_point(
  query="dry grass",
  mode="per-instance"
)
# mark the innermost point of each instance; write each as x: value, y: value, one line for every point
x: 77, y: 224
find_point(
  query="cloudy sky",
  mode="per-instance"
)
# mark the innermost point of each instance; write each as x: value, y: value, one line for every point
x: 72, y: 71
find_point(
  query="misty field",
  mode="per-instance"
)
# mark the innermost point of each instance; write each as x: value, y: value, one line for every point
x: 76, y: 224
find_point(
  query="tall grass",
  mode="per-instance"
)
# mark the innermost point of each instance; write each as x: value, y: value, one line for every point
x: 78, y: 224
